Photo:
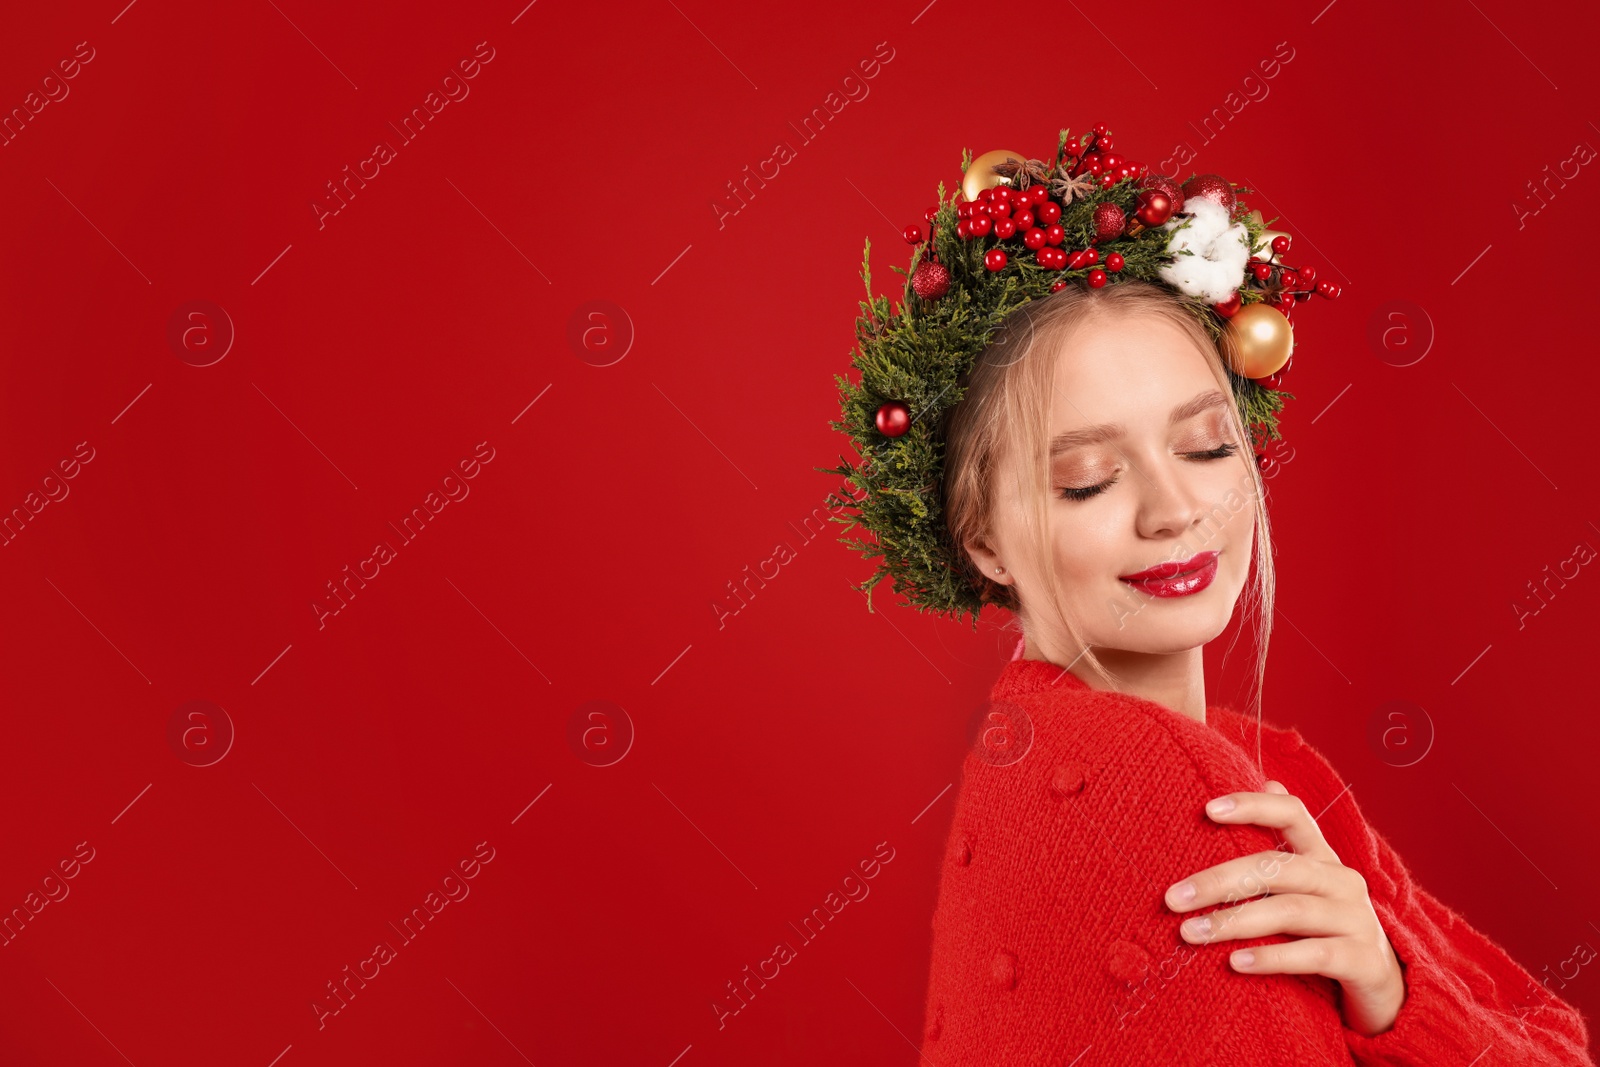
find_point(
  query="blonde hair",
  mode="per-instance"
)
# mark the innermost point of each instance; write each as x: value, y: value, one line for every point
x: 1006, y: 407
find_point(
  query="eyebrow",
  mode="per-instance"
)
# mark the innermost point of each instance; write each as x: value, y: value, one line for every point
x: 1093, y: 435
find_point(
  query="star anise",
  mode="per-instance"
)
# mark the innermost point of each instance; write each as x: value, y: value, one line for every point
x: 1066, y: 186
x: 1022, y: 173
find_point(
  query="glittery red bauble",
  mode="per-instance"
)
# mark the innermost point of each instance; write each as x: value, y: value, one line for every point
x: 893, y: 419
x: 1109, y: 222
x: 930, y: 280
x: 1211, y: 187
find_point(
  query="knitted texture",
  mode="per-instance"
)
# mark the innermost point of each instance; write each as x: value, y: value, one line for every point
x: 1053, y: 944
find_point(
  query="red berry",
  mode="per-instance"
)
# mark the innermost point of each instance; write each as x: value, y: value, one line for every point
x: 930, y: 214
x: 1097, y: 278
x: 964, y: 230
x: 1285, y: 301
x: 1023, y: 219
x: 1114, y: 262
x: 1049, y: 212
x: 1262, y: 271
x: 1058, y: 286
x: 1004, y: 228
x: 964, y: 210
x: 1054, y: 234
x: 994, y: 259
x: 1034, y: 238
x: 1229, y: 307
x: 1289, y: 279
x: 1280, y: 244
x: 913, y: 235
x: 980, y: 226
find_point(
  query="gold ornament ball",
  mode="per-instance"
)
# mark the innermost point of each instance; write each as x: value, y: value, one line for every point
x: 980, y: 173
x: 1262, y: 340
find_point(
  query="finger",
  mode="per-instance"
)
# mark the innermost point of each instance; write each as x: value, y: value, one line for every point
x: 1281, y: 811
x: 1299, y: 914
x: 1276, y: 787
x: 1326, y: 956
x: 1251, y: 876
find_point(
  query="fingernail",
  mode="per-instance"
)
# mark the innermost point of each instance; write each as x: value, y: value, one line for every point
x: 1243, y: 959
x: 1220, y: 806
x: 1183, y: 892
x: 1198, y: 928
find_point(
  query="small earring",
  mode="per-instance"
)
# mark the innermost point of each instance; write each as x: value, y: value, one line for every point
x: 997, y: 570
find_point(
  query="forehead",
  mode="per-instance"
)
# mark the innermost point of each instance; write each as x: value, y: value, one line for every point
x: 1133, y: 370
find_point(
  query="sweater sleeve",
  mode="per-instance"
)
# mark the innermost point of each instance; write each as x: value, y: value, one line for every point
x: 1467, y: 1000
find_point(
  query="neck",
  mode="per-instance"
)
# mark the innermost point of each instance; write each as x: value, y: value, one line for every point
x: 1174, y: 680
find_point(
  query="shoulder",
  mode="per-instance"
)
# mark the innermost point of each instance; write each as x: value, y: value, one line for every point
x: 1052, y: 894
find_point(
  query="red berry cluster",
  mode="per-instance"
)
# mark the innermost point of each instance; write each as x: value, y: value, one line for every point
x: 1032, y: 216
x: 1284, y: 285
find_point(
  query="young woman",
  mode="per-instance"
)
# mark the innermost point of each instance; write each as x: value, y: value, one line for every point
x: 1156, y: 879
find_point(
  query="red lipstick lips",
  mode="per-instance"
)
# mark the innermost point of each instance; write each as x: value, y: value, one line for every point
x: 1178, y: 578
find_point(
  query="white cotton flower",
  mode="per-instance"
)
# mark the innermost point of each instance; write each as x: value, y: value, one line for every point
x: 1221, y: 252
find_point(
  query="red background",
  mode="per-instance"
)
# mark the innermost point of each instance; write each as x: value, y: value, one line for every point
x: 773, y: 754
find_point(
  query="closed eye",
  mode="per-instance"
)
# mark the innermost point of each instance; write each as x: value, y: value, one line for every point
x: 1220, y: 452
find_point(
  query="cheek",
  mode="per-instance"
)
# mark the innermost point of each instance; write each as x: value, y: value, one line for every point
x: 1087, y: 548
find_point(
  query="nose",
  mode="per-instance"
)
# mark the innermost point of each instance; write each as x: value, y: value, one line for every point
x: 1171, y: 504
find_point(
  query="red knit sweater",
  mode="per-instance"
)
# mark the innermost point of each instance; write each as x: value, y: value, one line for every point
x: 1053, y: 944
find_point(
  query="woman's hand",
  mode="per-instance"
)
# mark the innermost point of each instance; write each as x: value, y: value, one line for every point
x: 1309, y: 892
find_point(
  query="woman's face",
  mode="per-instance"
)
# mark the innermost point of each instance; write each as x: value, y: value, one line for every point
x: 1145, y: 470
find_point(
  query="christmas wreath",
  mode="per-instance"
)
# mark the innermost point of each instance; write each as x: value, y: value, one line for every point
x: 1021, y: 230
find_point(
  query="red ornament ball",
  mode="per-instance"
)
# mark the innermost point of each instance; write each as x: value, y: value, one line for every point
x: 1211, y: 187
x: 893, y: 419
x: 1160, y: 183
x: 930, y: 280
x: 1109, y: 222
x: 1229, y: 307
x: 995, y: 259
x: 1153, y: 207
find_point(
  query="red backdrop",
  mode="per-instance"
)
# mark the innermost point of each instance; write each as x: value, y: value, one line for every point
x: 226, y: 385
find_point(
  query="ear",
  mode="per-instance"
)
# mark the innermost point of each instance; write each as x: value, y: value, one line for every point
x: 984, y: 558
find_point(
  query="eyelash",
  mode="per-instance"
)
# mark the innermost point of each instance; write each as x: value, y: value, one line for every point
x: 1222, y: 452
